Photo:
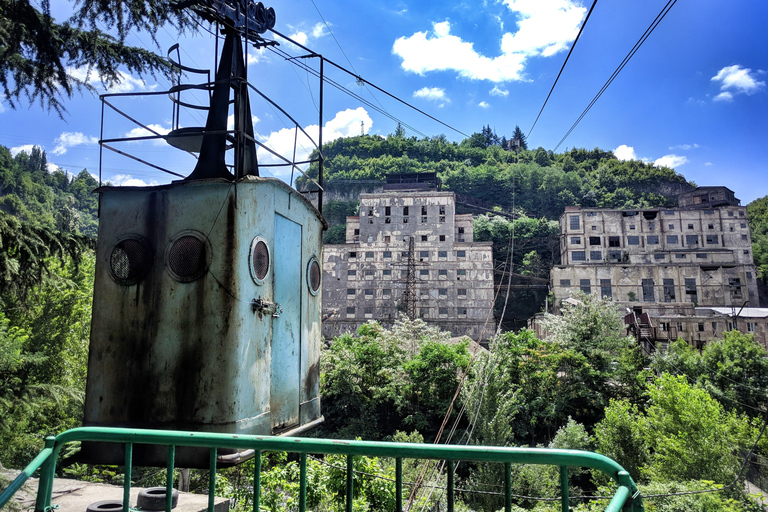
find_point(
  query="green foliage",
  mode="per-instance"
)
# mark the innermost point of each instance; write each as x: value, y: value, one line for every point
x: 720, y: 501
x: 526, y: 389
x: 335, y: 235
x: 543, y: 182
x: 688, y: 433
x: 43, y: 199
x: 519, y: 136
x: 733, y: 370
x: 530, y: 235
x: 620, y: 436
x: 43, y: 359
x: 593, y: 326
x: 758, y: 227
x: 379, y: 381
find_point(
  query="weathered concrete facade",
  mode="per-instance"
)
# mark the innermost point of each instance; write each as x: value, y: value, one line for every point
x: 365, y: 278
x: 701, y: 255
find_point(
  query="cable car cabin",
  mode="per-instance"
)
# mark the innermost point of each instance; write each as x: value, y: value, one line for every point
x: 206, y: 312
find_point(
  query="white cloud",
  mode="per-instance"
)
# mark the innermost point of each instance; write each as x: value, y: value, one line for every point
x: 708, y: 163
x: 724, y: 96
x: 684, y: 147
x: 299, y: 37
x: 346, y: 123
x: 431, y: 93
x: 2, y: 108
x: 256, y: 55
x: 143, y: 132
x: 71, y: 139
x: 126, y: 180
x: 443, y: 51
x: 483, y: 104
x: 670, y: 161
x: 625, y: 152
x: 736, y: 80
x: 231, y: 121
x: 544, y: 28
x: 497, y: 91
x: 52, y: 167
x: 127, y: 83
x: 319, y: 30
x: 303, y: 36
x: 27, y: 148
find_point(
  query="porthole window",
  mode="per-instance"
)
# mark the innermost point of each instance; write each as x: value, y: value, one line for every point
x: 187, y: 256
x: 260, y: 259
x: 130, y: 260
x: 314, y: 275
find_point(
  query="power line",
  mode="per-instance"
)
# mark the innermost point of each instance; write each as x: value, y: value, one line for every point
x: 361, y: 79
x: 342, y: 50
x: 343, y: 89
x: 624, y: 62
x: 563, y: 67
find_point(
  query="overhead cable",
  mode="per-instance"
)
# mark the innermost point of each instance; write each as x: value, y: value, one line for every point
x: 342, y: 51
x: 624, y: 62
x: 343, y: 89
x: 363, y: 80
x: 563, y: 66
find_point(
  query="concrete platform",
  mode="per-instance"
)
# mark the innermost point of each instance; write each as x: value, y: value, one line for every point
x: 75, y: 496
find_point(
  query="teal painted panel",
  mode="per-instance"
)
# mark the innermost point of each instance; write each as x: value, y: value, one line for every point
x: 286, y: 330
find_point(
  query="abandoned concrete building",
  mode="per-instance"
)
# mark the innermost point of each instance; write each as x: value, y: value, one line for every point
x: 448, y: 283
x: 666, y: 265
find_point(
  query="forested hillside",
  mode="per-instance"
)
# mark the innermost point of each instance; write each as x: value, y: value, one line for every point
x: 544, y: 182
x: 30, y: 191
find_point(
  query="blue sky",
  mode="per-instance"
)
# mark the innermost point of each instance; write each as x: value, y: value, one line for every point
x: 694, y: 97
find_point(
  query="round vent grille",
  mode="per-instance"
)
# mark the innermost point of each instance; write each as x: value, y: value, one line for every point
x: 259, y: 259
x: 130, y: 260
x: 187, y: 259
x: 313, y: 276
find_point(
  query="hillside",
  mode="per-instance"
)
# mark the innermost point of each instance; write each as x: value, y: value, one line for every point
x: 53, y: 200
x: 544, y: 183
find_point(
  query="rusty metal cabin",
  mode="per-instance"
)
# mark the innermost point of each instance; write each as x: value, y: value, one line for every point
x: 207, y: 301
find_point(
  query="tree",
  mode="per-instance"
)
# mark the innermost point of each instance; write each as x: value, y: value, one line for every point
x: 490, y: 137
x: 733, y: 370
x: 38, y: 52
x: 736, y: 373
x: 380, y: 381
x: 619, y: 435
x: 688, y: 434
x: 520, y: 137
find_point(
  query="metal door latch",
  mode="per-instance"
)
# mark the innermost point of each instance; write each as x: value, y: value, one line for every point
x: 264, y: 307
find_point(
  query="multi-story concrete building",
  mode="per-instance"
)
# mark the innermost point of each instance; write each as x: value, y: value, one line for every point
x: 684, y: 272
x: 366, y: 277
x: 692, y: 253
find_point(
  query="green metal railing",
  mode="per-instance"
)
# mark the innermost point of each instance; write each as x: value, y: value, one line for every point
x: 627, y: 496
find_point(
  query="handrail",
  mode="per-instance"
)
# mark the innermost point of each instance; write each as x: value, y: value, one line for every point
x: 626, y: 497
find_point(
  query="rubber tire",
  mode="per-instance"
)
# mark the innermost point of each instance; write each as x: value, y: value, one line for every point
x: 153, y: 498
x: 106, y: 506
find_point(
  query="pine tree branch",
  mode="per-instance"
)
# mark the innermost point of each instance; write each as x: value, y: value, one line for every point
x: 38, y: 55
